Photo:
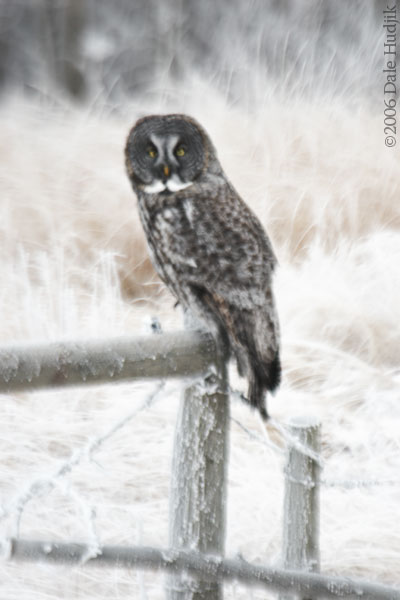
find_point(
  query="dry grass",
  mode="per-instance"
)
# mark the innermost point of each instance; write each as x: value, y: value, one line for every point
x: 74, y: 264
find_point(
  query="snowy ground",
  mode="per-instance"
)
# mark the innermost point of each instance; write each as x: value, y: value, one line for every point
x: 74, y: 265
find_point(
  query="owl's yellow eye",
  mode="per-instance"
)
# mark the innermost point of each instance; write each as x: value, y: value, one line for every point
x: 152, y: 152
x: 180, y: 151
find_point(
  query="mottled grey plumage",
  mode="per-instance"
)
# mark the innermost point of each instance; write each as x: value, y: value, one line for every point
x: 206, y: 244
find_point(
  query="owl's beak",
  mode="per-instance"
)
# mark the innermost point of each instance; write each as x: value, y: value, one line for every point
x: 162, y: 172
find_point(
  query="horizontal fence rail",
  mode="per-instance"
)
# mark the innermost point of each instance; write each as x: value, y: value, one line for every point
x: 32, y: 367
x: 210, y: 567
x: 184, y: 354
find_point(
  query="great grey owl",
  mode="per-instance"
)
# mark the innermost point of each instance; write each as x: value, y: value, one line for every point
x: 206, y: 244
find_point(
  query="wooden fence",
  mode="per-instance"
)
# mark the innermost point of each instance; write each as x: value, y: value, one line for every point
x: 195, y: 561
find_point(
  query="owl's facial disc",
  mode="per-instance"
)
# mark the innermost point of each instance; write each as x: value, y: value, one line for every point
x: 165, y: 154
x: 166, y: 151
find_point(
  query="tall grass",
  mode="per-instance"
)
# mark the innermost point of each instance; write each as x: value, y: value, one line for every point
x: 74, y: 264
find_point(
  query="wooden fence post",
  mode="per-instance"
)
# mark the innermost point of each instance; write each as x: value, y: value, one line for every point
x: 198, y: 482
x: 301, y: 501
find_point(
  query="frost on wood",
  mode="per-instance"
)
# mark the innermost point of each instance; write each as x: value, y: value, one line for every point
x: 301, y: 503
x: 178, y: 354
x: 198, y: 485
x: 207, y: 567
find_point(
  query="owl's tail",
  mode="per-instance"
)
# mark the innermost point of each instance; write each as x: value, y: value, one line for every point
x: 263, y: 377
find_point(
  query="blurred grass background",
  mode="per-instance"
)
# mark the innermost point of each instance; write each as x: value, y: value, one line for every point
x: 291, y: 92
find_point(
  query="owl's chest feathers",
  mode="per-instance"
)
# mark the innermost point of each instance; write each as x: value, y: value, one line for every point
x: 169, y: 223
x: 168, y: 215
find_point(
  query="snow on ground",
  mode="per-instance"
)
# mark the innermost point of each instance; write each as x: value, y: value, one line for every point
x: 74, y: 265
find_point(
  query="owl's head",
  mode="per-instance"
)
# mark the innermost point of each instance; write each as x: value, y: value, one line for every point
x: 167, y: 153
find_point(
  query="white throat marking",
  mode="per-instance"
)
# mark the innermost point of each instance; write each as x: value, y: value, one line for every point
x: 172, y: 185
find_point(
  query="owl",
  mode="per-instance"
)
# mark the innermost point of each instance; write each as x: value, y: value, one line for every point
x: 206, y: 244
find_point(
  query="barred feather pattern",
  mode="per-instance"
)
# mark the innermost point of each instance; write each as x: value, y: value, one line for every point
x: 214, y: 255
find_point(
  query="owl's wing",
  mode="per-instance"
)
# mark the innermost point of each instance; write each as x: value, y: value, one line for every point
x: 225, y: 249
x: 226, y: 265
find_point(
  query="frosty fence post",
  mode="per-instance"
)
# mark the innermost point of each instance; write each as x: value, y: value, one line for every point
x: 301, y: 500
x: 180, y: 354
x: 198, y: 479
